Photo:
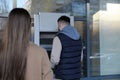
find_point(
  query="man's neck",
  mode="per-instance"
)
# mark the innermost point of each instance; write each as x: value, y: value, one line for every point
x: 63, y: 26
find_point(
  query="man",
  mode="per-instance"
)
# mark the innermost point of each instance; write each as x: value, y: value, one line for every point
x: 66, y: 51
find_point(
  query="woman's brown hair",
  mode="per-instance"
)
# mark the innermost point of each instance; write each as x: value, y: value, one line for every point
x: 13, y: 54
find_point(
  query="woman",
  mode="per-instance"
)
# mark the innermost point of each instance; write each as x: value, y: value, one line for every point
x: 19, y: 58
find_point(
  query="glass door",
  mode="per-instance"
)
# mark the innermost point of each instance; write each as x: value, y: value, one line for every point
x: 104, y: 40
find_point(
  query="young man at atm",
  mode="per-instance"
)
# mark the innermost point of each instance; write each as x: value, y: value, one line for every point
x: 66, y: 51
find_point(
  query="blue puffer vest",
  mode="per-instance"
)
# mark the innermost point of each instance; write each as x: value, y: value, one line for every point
x: 69, y: 67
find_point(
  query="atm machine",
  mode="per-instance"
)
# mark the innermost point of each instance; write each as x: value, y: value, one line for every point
x: 45, y: 28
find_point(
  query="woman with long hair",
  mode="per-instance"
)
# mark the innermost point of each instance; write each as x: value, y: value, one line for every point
x: 20, y: 59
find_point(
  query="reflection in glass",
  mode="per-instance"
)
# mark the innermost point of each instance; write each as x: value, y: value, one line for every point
x: 3, y: 6
x: 105, y: 40
x: 2, y: 22
x: 78, y: 9
x: 2, y: 25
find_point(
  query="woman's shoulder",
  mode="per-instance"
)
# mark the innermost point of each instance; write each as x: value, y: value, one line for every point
x: 34, y: 49
x: 37, y: 63
x: 31, y: 44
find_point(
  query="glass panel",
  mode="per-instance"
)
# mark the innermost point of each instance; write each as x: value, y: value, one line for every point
x: 81, y: 27
x: 2, y: 24
x: 78, y: 9
x: 5, y: 7
x: 105, y: 40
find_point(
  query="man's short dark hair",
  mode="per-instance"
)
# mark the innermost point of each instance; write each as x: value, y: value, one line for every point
x: 64, y: 18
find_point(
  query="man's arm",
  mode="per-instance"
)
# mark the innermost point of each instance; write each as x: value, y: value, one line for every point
x: 56, y: 51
